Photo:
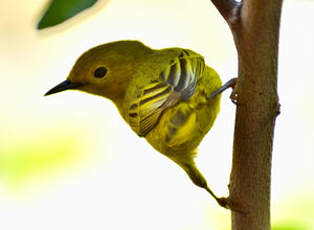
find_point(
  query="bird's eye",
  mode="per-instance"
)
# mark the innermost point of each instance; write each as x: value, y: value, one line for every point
x: 100, y: 72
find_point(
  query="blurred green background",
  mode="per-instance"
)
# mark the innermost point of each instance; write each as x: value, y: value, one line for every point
x: 69, y: 161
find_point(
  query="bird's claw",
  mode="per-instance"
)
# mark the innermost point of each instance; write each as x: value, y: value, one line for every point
x: 229, y: 84
x: 223, y: 202
x: 228, y: 204
x: 234, y: 97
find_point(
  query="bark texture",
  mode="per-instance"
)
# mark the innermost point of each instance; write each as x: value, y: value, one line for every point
x: 255, y: 28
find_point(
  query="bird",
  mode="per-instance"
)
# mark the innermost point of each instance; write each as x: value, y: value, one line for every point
x: 168, y: 96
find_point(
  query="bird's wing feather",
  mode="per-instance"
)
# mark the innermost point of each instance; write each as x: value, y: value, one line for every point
x: 176, y: 82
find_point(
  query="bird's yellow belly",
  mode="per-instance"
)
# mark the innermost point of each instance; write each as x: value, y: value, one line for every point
x: 182, y: 127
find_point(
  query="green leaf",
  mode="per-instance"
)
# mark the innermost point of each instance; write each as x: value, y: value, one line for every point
x: 60, y: 10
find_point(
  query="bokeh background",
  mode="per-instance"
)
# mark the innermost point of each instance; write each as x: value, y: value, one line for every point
x: 69, y: 161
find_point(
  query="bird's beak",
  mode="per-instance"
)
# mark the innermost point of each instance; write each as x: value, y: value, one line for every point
x: 67, y: 84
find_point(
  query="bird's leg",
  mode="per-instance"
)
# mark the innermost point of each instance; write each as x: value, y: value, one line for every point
x: 198, y: 179
x: 222, y: 201
x: 229, y: 84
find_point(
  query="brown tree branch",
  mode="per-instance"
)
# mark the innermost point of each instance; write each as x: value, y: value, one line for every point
x: 229, y: 10
x: 255, y: 28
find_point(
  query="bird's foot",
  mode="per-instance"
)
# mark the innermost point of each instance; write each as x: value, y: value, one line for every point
x: 228, y: 204
x: 223, y: 202
x: 229, y: 84
x: 234, y: 97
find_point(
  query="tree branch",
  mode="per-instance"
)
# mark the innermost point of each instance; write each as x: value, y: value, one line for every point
x: 255, y: 28
x: 229, y: 10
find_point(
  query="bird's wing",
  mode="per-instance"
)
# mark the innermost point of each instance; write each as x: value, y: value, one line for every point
x: 176, y: 83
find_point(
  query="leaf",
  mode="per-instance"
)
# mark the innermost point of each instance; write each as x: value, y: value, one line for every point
x: 60, y: 10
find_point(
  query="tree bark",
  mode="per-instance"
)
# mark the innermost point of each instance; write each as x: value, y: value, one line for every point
x: 255, y: 28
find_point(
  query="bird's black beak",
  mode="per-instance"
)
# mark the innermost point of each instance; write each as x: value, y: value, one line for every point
x: 67, y: 84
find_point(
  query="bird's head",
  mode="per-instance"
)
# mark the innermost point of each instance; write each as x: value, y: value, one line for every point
x: 105, y: 70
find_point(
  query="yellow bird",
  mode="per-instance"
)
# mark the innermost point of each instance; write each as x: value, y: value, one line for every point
x: 168, y: 96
